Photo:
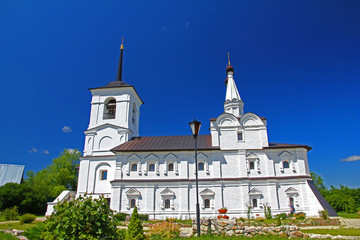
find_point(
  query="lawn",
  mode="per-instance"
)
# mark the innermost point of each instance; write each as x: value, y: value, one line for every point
x: 349, y: 215
x: 341, y: 231
x: 17, y: 225
x: 4, y: 236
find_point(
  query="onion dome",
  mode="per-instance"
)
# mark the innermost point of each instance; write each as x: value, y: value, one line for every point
x: 226, y: 81
x: 229, y: 68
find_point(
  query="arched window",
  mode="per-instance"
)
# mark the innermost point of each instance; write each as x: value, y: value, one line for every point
x: 110, y: 109
x: 134, y: 167
x: 132, y: 203
x: 252, y: 165
x: 133, y: 113
x: 201, y: 166
x: 167, y: 203
x: 291, y: 200
x: 254, y: 202
x: 151, y: 167
x: 171, y: 167
x: 285, y: 164
x: 207, y: 203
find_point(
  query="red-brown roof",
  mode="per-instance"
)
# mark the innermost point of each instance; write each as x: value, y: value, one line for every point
x: 181, y: 143
x: 166, y: 143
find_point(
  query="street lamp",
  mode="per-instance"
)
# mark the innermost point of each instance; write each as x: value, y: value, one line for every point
x: 195, y: 128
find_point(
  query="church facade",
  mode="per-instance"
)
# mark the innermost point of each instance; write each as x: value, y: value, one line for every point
x: 237, y: 165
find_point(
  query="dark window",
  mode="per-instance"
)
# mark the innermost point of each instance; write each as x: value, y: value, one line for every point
x: 108, y: 201
x: 252, y: 165
x: 151, y: 168
x: 134, y: 167
x: 167, y: 203
x: 103, y: 174
x: 285, y: 164
x: 291, y: 200
x: 207, y: 203
x: 110, y: 109
x: 171, y: 167
x: 240, y: 136
x: 201, y: 166
x: 254, y: 203
x: 132, y: 203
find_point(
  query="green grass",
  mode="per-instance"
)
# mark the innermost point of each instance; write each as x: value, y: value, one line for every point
x: 349, y: 215
x: 341, y: 231
x: 17, y: 225
x: 212, y: 236
x: 7, y: 236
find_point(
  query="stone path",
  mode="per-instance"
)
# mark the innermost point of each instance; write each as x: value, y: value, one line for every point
x: 350, y: 223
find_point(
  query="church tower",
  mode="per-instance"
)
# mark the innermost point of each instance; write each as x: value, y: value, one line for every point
x: 233, y: 103
x: 114, y: 117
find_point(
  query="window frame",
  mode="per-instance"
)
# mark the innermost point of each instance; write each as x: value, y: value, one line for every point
x: 287, y: 164
x: 102, y: 173
x: 132, y: 169
x: 203, y: 166
x: 151, y: 167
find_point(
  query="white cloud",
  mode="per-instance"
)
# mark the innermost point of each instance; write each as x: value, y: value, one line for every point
x: 32, y: 150
x: 45, y: 152
x: 66, y: 129
x: 72, y: 150
x: 351, y: 158
x: 164, y: 29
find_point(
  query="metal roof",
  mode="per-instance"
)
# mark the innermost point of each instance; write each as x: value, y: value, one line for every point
x: 11, y: 173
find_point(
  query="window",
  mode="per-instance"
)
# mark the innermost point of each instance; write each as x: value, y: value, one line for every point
x: 110, y: 109
x: 132, y: 203
x: 240, y: 136
x: 291, y: 200
x: 133, y: 113
x: 108, y: 201
x: 207, y: 203
x: 201, y: 166
x: 254, y: 203
x: 134, y: 167
x: 171, y: 167
x: 167, y: 203
x: 151, y: 167
x: 285, y: 164
x: 252, y: 165
x: 103, y: 174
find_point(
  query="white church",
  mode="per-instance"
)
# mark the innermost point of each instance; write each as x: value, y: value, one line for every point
x: 237, y: 165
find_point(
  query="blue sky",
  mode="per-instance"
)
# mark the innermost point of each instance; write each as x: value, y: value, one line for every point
x: 297, y: 63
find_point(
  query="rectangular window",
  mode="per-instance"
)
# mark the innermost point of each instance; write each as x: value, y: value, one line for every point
x: 240, y: 136
x: 103, y: 174
x: 108, y: 201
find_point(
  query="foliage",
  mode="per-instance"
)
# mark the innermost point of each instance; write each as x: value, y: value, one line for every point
x: 349, y: 215
x: 27, y: 218
x: 7, y: 236
x: 164, y: 230
x: 249, y: 207
x: 83, y: 218
x: 324, y: 214
x: 144, y: 217
x: 135, y: 230
x: 223, y: 208
x: 282, y: 216
x: 120, y: 216
x: 340, y: 231
x: 267, y: 211
x: 17, y: 225
x: 34, y: 233
x: 278, y: 221
x: 300, y: 215
x: 11, y: 214
x: 319, y: 182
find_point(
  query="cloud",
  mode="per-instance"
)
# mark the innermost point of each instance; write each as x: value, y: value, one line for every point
x: 66, y: 129
x: 187, y: 24
x: 45, y: 152
x: 33, y: 150
x: 71, y: 150
x: 351, y: 158
x: 164, y: 29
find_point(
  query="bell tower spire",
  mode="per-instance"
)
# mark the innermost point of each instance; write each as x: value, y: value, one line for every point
x: 233, y: 103
x: 119, y: 72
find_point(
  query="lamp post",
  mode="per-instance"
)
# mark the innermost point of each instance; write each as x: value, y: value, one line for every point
x: 195, y: 128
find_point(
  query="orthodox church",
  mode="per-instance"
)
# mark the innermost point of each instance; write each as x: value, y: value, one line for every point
x: 237, y: 166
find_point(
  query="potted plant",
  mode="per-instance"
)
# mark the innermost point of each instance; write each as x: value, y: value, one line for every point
x: 222, y: 216
x: 222, y: 210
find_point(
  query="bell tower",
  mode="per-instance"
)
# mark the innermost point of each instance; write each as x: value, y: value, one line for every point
x: 114, y: 117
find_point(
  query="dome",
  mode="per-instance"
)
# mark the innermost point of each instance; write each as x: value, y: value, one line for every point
x: 229, y: 68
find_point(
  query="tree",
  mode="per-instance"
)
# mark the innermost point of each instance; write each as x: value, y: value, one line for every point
x: 319, y: 183
x: 83, y: 218
x: 135, y: 229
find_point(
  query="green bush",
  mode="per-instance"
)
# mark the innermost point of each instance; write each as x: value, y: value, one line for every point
x: 7, y: 236
x: 267, y: 211
x: 300, y: 215
x: 120, y: 216
x: 164, y: 230
x: 27, y: 218
x: 282, y: 216
x: 11, y: 214
x: 83, y: 218
x: 144, y: 217
x: 135, y: 230
x: 324, y: 214
x: 34, y: 233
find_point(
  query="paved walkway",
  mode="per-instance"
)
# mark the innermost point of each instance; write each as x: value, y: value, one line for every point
x: 350, y: 223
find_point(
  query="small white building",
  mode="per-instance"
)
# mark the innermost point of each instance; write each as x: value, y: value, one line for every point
x: 237, y: 165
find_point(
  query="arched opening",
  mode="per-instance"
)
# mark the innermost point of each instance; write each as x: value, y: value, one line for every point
x: 132, y: 203
x: 110, y: 109
x: 207, y: 203
x: 285, y: 164
x: 201, y: 166
x: 151, y: 167
x: 291, y: 200
x: 167, y: 203
x: 134, y: 167
x: 252, y: 165
x: 254, y: 203
x: 171, y: 167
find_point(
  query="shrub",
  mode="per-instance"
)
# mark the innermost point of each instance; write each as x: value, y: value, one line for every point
x: 278, y: 221
x: 120, y: 216
x: 324, y: 214
x: 144, y: 217
x: 34, y: 233
x: 27, y: 218
x: 83, y: 218
x: 260, y: 219
x: 164, y: 230
x: 282, y: 216
x: 135, y: 230
x: 300, y: 215
x: 267, y: 211
x: 11, y: 214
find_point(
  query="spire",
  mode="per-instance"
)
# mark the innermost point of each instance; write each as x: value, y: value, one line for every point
x: 119, y: 73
